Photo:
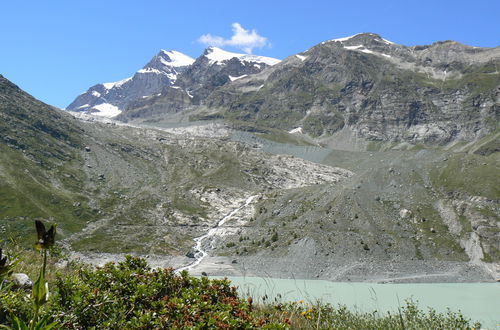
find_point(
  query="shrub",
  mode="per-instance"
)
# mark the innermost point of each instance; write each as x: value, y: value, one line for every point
x: 129, y: 295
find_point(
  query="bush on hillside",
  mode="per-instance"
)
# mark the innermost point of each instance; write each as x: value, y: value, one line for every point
x: 130, y: 295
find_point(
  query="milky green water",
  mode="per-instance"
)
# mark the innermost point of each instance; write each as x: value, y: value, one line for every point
x: 478, y: 301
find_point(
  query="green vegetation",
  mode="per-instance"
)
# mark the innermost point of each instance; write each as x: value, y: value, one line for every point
x: 35, y: 192
x: 130, y: 295
x: 473, y: 175
x: 318, y: 124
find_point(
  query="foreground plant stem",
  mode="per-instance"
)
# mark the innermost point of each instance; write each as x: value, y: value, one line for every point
x: 39, y: 299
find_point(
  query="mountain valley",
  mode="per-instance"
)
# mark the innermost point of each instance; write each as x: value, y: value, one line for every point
x: 369, y: 161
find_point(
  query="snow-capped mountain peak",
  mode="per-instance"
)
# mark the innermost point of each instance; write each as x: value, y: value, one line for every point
x: 175, y: 58
x: 218, y: 56
x: 162, y: 72
x: 167, y: 61
x: 109, y: 99
x: 373, y: 36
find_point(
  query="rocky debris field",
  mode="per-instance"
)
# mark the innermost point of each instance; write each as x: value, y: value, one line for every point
x: 383, y: 216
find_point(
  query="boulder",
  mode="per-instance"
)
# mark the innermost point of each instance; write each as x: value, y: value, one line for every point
x: 21, y: 281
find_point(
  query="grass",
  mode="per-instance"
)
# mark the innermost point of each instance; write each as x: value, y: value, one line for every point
x: 301, y: 315
x: 472, y: 175
x: 34, y: 192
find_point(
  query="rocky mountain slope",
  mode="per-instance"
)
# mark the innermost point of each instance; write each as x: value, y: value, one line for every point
x: 374, y: 89
x: 361, y: 88
x: 173, y: 76
x: 110, y: 186
x: 213, y: 69
x: 109, y: 99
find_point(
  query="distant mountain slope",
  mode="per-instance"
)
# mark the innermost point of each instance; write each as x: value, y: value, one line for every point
x: 397, y: 215
x: 109, y: 99
x: 171, y: 75
x: 373, y: 89
x: 213, y: 69
x: 349, y: 92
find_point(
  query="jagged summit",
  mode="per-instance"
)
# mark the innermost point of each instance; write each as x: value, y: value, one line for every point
x: 110, y: 99
x: 166, y: 60
x: 163, y: 71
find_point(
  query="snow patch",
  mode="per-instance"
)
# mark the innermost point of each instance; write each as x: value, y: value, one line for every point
x: 388, y: 42
x: 150, y: 70
x: 172, y: 77
x: 354, y: 47
x: 84, y: 106
x: 341, y: 39
x: 301, y: 57
x: 176, y: 58
x: 116, y: 84
x: 106, y: 110
x: 297, y: 130
x: 367, y: 51
x: 217, y: 56
x: 361, y: 48
x: 236, y: 78
x: 96, y: 94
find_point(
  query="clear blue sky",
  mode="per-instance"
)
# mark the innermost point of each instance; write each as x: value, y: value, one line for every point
x: 56, y: 49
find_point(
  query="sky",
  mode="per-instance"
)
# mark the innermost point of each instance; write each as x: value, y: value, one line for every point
x: 57, y: 49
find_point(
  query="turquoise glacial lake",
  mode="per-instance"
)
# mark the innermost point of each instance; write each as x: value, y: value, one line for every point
x: 477, y: 301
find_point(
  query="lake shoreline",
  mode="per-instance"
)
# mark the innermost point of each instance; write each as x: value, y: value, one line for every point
x: 391, y: 271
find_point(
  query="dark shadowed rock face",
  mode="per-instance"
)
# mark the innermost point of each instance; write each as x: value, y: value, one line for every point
x: 110, y: 98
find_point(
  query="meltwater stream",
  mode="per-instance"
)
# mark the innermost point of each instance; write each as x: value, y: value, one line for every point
x: 200, y: 253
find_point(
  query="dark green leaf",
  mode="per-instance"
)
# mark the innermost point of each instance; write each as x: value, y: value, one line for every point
x: 39, y: 291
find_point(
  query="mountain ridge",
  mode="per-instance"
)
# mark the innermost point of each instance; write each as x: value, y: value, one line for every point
x: 347, y: 83
x: 161, y: 72
x: 363, y: 87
